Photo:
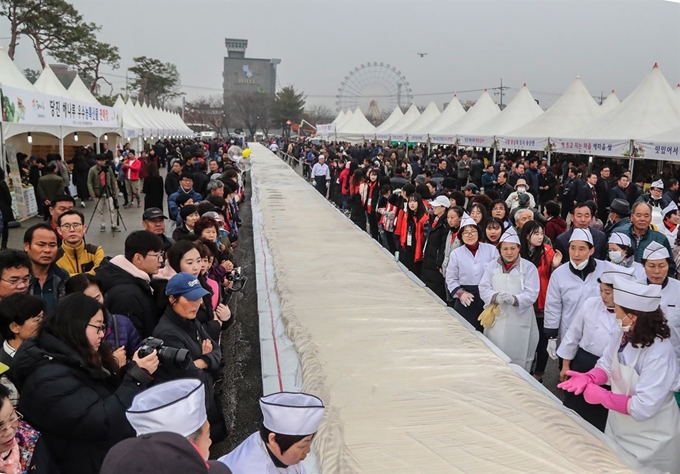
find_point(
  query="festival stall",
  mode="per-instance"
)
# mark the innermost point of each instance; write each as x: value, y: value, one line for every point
x: 417, y: 131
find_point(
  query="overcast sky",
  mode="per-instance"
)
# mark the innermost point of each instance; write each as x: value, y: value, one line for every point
x: 471, y: 44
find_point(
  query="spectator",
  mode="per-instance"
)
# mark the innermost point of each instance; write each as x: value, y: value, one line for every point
x: 624, y: 191
x: 531, y: 177
x: 101, y: 184
x: 75, y: 256
x: 185, y: 187
x: 582, y: 219
x: 6, y: 213
x: 641, y: 234
x: 70, y: 386
x: 153, y: 188
x: 58, y: 206
x: 215, y: 187
x: 20, y: 316
x: 126, y: 280
x: 555, y: 225
x: 570, y: 191
x: 40, y: 244
x: 621, y: 253
x: 488, y: 178
x: 655, y: 196
x: 179, y: 328
x: 153, y: 220
x: 189, y: 215
x: 502, y: 187
x: 132, y: 167
x: 435, y: 243
x: 520, y: 194
x: 50, y: 185
x: 603, y: 188
x: 201, y: 179
x: 173, y: 178
x: 500, y: 210
x: 619, y: 215
x: 15, y: 272
x: 673, y: 191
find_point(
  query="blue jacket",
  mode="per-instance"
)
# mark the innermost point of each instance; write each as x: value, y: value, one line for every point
x: 173, y: 208
x: 487, y: 180
x: 126, y: 332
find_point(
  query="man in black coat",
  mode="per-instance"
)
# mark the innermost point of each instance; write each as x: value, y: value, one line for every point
x: 547, y: 185
x: 581, y: 219
x: 173, y: 178
x: 570, y: 191
x: 126, y: 280
x: 588, y: 192
x: 603, y: 188
x: 502, y: 187
x: 624, y: 190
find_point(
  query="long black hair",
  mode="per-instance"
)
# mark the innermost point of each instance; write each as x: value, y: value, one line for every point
x: 530, y: 228
x: 421, y: 207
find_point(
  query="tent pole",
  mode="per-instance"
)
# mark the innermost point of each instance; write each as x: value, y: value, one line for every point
x: 494, y: 155
x: 631, y: 161
x: 3, y: 161
x: 549, y: 156
x: 61, y: 142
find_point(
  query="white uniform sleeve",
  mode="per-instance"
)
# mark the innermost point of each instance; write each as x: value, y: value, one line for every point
x: 553, y: 304
x: 605, y: 362
x: 532, y: 202
x: 486, y: 290
x: 452, y: 272
x: 569, y: 345
x: 656, y: 380
x: 532, y: 285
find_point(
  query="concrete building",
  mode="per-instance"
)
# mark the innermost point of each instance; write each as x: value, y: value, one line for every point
x: 245, y: 75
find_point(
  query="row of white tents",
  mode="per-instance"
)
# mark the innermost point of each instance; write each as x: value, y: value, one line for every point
x: 645, y: 125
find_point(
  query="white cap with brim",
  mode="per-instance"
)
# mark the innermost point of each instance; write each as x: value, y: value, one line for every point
x: 583, y: 235
x: 636, y: 296
x: 655, y: 251
x: 509, y: 236
x: 440, y: 201
x: 177, y: 406
x: 619, y: 239
x: 611, y: 271
x: 670, y: 208
x: 658, y: 184
x: 294, y: 414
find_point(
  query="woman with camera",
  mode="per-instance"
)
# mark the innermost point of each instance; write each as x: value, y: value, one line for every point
x: 72, y: 389
x: 180, y: 329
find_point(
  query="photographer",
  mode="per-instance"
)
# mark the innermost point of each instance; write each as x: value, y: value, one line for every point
x: 179, y: 329
x: 101, y: 184
x: 72, y: 390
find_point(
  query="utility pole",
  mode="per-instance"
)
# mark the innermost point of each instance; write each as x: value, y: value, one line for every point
x: 501, y: 93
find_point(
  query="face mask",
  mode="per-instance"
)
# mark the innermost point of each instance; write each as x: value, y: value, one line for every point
x: 521, y: 190
x: 616, y: 257
x: 619, y: 323
x: 580, y: 266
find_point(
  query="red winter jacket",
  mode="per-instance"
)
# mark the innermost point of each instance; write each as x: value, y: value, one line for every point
x: 131, y: 168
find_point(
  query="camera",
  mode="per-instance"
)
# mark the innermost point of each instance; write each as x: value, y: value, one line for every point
x: 166, y: 355
x: 235, y: 275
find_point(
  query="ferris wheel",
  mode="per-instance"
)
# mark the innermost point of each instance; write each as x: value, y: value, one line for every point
x: 374, y: 85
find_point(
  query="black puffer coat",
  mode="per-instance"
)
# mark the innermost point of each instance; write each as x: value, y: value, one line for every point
x: 79, y: 411
x: 433, y: 256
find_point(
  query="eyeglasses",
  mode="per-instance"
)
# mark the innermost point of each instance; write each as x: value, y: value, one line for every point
x: 158, y: 256
x: 469, y: 233
x: 74, y: 226
x: 12, y: 423
x: 16, y: 281
x: 100, y: 329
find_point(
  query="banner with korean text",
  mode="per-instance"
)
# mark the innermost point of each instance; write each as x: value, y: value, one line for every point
x: 522, y: 143
x: 325, y: 129
x: 657, y: 150
x: 591, y: 147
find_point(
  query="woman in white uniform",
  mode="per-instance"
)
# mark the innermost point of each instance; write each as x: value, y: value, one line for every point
x: 465, y: 269
x: 512, y: 283
x: 669, y: 227
x: 641, y: 366
x: 587, y: 338
x: 622, y: 253
x: 284, y: 439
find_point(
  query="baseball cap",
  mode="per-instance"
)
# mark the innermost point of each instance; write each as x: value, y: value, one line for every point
x: 152, y: 213
x: 440, y: 201
x: 187, y: 285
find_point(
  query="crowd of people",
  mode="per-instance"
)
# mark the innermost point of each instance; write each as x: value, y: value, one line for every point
x: 570, y: 261
x: 96, y: 347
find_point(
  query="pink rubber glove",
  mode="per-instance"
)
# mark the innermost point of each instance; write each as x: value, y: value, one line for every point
x: 595, y: 394
x: 578, y: 381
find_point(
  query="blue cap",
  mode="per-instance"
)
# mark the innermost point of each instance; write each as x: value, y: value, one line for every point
x: 187, y: 285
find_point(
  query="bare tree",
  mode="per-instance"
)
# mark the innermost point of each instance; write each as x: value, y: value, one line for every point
x: 253, y: 110
x: 207, y: 112
x: 319, y: 114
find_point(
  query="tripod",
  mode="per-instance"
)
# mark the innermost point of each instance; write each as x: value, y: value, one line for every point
x: 108, y: 193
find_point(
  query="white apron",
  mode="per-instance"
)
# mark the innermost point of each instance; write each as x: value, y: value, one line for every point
x: 654, y: 442
x: 251, y: 457
x: 515, y: 333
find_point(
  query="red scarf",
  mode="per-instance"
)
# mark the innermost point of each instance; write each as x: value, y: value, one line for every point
x: 383, y: 218
x: 419, y: 234
x: 369, y: 204
x: 670, y: 226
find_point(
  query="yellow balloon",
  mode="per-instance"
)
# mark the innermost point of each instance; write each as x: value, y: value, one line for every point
x: 246, y: 153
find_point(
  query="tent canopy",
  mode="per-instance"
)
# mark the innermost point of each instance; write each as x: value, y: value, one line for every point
x: 610, y: 102
x: 393, y: 119
x: 409, y: 117
x: 10, y: 75
x: 429, y: 115
x: 79, y: 91
x: 484, y: 110
x: 356, y: 127
x: 48, y: 83
x: 451, y: 114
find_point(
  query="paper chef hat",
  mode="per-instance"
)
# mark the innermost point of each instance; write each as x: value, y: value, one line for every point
x: 612, y: 271
x: 177, y: 406
x: 510, y: 236
x: 294, y: 414
x: 619, y: 239
x: 670, y: 208
x: 658, y: 184
x: 636, y: 296
x: 466, y: 220
x: 582, y: 235
x: 655, y: 251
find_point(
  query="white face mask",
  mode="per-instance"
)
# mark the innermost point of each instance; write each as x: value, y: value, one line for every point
x: 619, y: 323
x: 616, y: 257
x: 580, y: 266
x: 521, y: 189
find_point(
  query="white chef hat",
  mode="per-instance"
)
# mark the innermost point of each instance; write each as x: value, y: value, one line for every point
x: 658, y: 184
x: 177, y: 406
x: 583, y: 235
x: 611, y: 271
x: 670, y: 208
x: 636, y: 296
x: 619, y: 239
x: 655, y: 251
x: 294, y: 414
x: 510, y: 236
x: 466, y: 220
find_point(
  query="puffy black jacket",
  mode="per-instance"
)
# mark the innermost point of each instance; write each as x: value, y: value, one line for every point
x: 433, y: 256
x: 128, y: 295
x: 79, y: 411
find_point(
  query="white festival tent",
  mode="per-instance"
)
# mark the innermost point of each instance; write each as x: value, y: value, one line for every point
x: 354, y: 129
x: 396, y: 132
x: 453, y: 112
x: 574, y: 109
x: 344, y: 119
x: 417, y: 131
x: 610, y: 102
x: 337, y: 119
x: 521, y: 110
x: 484, y: 110
x: 392, y: 120
x: 79, y: 91
x: 48, y: 83
x: 650, y: 109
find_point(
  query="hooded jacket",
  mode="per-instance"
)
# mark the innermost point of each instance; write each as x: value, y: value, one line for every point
x: 128, y: 293
x: 79, y: 411
x: 85, y: 258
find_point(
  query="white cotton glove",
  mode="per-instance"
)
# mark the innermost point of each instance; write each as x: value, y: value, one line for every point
x: 505, y: 298
x: 552, y: 348
x: 466, y: 299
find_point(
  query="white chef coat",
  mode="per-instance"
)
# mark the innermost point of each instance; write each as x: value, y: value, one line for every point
x: 657, y: 368
x: 670, y: 305
x: 274, y: 147
x: 591, y: 330
x: 566, y: 294
x: 321, y: 170
x: 671, y: 236
x: 466, y: 269
x: 251, y: 457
